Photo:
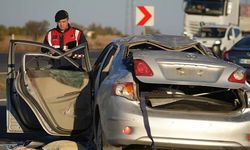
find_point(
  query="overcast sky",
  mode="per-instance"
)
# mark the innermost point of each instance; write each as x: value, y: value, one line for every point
x: 168, y: 13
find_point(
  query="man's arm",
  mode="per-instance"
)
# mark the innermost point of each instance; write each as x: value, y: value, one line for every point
x: 82, y: 38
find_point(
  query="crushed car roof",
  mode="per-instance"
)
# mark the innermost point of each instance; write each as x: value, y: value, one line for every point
x: 169, y: 41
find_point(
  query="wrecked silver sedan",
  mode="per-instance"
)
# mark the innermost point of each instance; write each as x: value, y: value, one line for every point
x: 168, y: 92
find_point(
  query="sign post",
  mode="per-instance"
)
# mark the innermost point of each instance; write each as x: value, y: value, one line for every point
x: 144, y: 16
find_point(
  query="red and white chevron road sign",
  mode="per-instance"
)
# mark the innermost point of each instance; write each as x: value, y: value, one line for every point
x: 145, y: 15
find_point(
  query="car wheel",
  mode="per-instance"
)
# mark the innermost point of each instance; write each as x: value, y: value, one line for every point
x: 216, y: 50
x: 101, y: 143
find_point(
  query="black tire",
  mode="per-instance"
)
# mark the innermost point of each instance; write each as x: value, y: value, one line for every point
x: 216, y: 51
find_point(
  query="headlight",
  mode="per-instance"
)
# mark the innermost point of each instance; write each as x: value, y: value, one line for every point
x: 217, y: 42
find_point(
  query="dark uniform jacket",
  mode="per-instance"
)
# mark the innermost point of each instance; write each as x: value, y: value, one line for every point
x: 64, y: 41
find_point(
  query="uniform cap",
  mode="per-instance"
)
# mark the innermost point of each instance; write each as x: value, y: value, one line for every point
x: 61, y: 14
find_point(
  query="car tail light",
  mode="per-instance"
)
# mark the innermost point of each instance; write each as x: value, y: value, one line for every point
x: 141, y: 68
x: 248, y: 137
x: 238, y: 76
x: 226, y: 55
x: 126, y: 89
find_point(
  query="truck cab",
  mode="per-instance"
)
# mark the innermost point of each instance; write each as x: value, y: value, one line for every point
x: 219, y: 38
x: 197, y: 12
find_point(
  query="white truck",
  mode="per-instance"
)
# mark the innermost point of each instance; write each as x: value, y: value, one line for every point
x: 199, y: 12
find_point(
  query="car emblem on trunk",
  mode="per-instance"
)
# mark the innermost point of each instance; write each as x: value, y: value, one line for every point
x: 200, y: 72
x: 180, y: 71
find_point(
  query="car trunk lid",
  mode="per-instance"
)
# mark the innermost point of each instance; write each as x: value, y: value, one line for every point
x: 240, y: 56
x: 186, y: 69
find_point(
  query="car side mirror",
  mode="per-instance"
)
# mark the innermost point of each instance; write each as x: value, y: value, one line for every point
x: 230, y: 37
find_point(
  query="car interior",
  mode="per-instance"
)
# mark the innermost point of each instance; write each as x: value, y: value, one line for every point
x: 57, y: 90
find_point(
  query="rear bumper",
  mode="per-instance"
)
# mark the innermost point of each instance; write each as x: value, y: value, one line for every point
x: 188, y: 144
x: 171, y: 129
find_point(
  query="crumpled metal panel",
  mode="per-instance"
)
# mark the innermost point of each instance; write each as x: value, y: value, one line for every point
x: 169, y: 41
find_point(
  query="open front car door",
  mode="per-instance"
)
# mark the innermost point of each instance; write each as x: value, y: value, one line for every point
x: 50, y: 92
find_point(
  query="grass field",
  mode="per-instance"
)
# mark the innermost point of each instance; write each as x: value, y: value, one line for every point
x: 2, y: 86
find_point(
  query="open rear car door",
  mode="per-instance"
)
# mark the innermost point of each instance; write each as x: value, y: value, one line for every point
x: 49, y: 92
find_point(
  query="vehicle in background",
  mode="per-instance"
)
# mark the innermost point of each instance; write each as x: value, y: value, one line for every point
x: 49, y: 94
x: 240, y: 54
x: 198, y: 12
x: 219, y: 38
x: 166, y: 91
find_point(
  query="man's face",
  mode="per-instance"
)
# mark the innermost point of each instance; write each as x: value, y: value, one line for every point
x: 63, y: 24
